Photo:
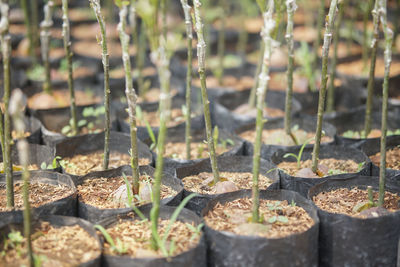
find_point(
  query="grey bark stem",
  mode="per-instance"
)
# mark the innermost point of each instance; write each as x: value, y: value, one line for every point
x: 201, y: 54
x: 268, y: 43
x: 371, y: 77
x: 385, y: 96
x: 130, y: 96
x: 95, y: 4
x: 330, y: 20
x: 68, y: 54
x: 17, y: 105
x: 189, y: 35
x: 5, y: 40
x: 45, y: 37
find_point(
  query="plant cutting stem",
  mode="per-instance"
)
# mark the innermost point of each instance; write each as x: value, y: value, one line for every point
x: 365, y: 49
x: 291, y: 8
x: 330, y: 103
x: 95, y: 4
x: 5, y: 39
x: 163, y: 6
x: 130, y: 96
x: 371, y: 78
x: 16, y: 110
x: 162, y: 63
x: 385, y: 95
x: 28, y: 26
x: 320, y: 25
x: 189, y: 32
x: 201, y: 54
x: 221, y: 43
x: 68, y: 54
x: 140, y: 59
x: 266, y: 32
x: 330, y: 20
x: 45, y: 35
x: 252, y: 97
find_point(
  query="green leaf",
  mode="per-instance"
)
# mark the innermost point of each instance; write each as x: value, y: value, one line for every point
x: 43, y: 166
x: 272, y: 219
x: 82, y: 123
x: 66, y: 129
x: 174, y: 217
x: 283, y: 219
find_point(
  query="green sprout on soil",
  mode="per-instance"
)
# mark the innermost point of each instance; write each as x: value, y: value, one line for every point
x: 141, y: 117
x: 300, y: 153
x: 36, y: 73
x: 53, y: 165
x: 87, y: 113
x: 118, y: 246
x: 14, y: 240
x: 305, y: 59
x: 366, y: 204
x: 160, y: 240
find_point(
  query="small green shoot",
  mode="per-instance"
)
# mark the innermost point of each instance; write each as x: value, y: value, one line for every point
x: 140, y: 117
x: 279, y: 218
x: 306, y: 61
x: 195, y: 230
x: 300, y: 154
x: 361, y: 206
x: 130, y: 198
x: 293, y: 204
x: 54, y: 164
x: 119, y: 248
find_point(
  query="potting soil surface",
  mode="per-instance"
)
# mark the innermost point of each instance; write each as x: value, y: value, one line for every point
x: 136, y: 236
x: 83, y: 164
x: 279, y: 137
x: 39, y: 194
x: 355, y: 67
x: 245, y: 110
x: 331, y: 166
x: 153, y: 95
x: 153, y: 118
x: 280, y: 218
x: 198, y: 150
x: 344, y: 200
x: 229, y: 81
x: 392, y: 158
x: 242, y: 180
x: 60, y: 98
x: 99, y: 192
x: 63, y: 246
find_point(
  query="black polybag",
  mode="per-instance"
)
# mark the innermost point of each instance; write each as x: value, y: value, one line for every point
x: 65, y: 206
x: 15, y: 221
x: 194, y: 257
x: 94, y: 214
x: 225, y: 164
x: 351, y: 241
x: 228, y: 249
x: 301, y: 184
